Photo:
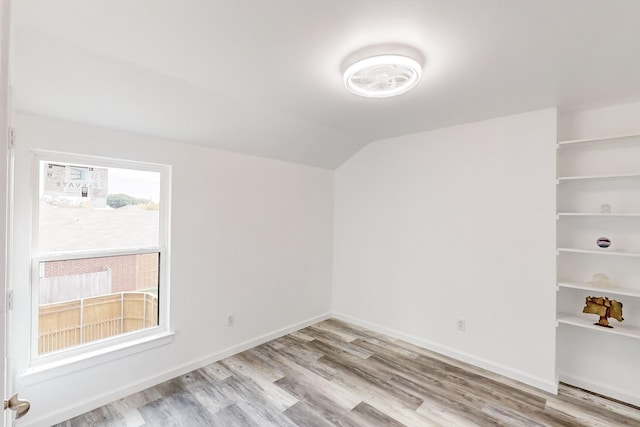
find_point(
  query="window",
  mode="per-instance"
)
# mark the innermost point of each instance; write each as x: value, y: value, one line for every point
x: 99, y: 253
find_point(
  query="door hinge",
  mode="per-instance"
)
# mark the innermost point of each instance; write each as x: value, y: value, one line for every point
x: 12, y: 137
x: 10, y: 300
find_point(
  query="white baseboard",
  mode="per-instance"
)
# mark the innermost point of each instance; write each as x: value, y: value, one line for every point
x: 523, y: 377
x: 95, y: 402
x: 599, y: 388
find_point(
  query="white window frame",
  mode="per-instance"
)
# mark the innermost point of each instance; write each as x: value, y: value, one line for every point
x: 101, y: 347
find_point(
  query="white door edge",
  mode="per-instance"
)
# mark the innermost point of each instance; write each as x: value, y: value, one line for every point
x: 5, y: 114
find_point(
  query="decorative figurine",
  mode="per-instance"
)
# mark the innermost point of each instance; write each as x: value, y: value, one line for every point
x: 605, y: 308
x: 603, y: 242
x: 601, y: 280
x: 605, y: 208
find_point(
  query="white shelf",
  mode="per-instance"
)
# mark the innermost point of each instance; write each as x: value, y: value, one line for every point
x: 629, y: 214
x: 606, y: 138
x: 561, y: 179
x: 588, y: 322
x: 589, y: 173
x: 605, y: 291
x: 599, y: 252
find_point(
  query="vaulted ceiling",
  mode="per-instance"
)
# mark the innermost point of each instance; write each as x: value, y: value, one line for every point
x: 265, y: 77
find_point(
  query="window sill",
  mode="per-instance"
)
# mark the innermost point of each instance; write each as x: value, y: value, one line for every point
x: 48, y: 371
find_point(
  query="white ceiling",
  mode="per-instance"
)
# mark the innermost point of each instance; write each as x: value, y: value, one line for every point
x: 264, y: 77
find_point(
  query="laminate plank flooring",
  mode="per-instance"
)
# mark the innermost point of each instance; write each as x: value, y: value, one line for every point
x: 337, y: 374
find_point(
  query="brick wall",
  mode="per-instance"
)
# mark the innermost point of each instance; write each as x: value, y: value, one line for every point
x: 147, y: 271
x: 128, y: 272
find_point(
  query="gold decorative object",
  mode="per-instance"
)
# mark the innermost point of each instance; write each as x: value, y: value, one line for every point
x: 605, y: 308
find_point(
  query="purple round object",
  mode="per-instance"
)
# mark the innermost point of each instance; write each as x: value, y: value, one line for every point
x: 603, y: 242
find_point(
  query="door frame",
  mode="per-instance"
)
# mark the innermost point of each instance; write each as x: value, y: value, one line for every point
x: 5, y: 120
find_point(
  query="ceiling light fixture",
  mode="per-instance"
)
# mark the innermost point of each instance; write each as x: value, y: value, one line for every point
x: 382, y: 76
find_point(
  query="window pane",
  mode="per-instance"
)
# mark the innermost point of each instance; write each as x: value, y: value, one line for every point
x: 87, y: 208
x: 89, y: 299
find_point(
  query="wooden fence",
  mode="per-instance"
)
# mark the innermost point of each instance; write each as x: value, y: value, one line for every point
x: 70, y: 323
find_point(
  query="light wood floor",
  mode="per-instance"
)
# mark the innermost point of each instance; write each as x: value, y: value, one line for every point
x: 337, y: 374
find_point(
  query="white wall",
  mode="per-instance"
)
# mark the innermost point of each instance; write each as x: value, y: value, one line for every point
x: 249, y: 235
x: 610, y: 366
x: 455, y: 223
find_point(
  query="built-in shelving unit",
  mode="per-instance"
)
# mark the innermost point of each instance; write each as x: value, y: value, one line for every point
x: 598, y: 196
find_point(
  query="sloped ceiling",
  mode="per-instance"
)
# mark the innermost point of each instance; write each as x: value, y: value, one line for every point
x: 265, y: 77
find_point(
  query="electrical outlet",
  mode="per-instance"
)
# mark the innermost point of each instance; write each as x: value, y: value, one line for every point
x: 462, y: 325
x: 231, y: 319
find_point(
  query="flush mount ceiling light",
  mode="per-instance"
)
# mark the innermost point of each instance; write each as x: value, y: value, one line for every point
x: 382, y: 76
